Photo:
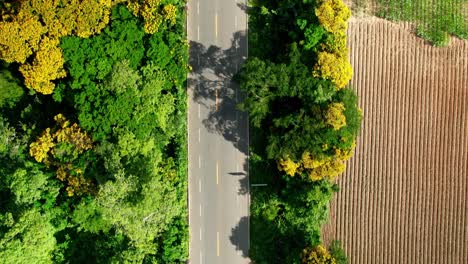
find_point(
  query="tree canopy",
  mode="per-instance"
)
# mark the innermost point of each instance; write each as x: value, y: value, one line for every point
x: 93, y: 157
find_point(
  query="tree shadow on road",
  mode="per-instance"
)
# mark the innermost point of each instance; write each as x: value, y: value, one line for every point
x: 240, y: 236
x: 242, y: 178
x: 212, y: 85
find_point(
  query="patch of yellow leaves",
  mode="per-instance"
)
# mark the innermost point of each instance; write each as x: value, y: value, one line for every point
x: 317, y: 255
x: 332, y: 63
x: 318, y: 168
x: 169, y: 12
x: 46, y: 66
x: 39, y: 149
x: 23, y: 35
x: 333, y: 15
x: 42, y: 150
x: 288, y: 166
x: 334, y: 67
x: 335, y: 117
x: 149, y: 11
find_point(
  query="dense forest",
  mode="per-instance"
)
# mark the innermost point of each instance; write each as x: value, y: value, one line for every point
x: 304, y: 123
x: 93, y: 131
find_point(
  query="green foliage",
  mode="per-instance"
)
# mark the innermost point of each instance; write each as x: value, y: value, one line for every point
x: 127, y: 90
x: 122, y: 77
x: 138, y: 209
x: 7, y: 136
x: 29, y: 239
x: 435, y: 20
x: 313, y: 35
x: 304, y: 121
x: 111, y: 93
x: 274, y: 25
x: 35, y: 27
x: 11, y: 90
x: 141, y: 110
x: 30, y: 184
x: 92, y: 59
x: 337, y: 252
x: 287, y: 218
x: 293, y: 105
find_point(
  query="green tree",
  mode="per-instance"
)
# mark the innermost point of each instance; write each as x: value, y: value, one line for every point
x: 294, y: 106
x: 11, y: 89
x: 7, y: 137
x: 140, y: 209
x: 29, y: 238
x: 29, y: 184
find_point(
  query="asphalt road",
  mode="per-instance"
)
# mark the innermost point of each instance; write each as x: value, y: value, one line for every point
x: 218, y: 133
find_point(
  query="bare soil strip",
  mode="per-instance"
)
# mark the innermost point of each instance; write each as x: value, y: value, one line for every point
x: 404, y: 196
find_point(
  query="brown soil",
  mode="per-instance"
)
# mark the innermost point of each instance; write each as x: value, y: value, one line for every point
x: 404, y: 195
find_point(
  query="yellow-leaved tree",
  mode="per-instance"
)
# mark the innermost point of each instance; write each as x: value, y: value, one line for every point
x: 46, y: 66
x: 332, y: 63
x: 332, y: 15
x: 334, y: 67
x: 317, y: 255
x: 34, y: 28
x: 59, y: 147
x: 318, y: 168
x: 20, y: 36
x: 40, y: 149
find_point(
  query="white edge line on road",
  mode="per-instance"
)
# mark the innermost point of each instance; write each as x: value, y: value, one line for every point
x: 201, y: 257
x: 199, y: 185
x: 198, y: 8
x: 198, y: 110
x: 200, y: 234
x: 199, y: 162
x: 199, y: 134
x: 189, y: 200
x: 198, y: 32
x: 200, y: 209
x: 217, y: 244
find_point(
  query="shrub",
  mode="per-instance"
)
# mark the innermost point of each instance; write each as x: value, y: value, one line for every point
x: 337, y: 252
x: 317, y: 255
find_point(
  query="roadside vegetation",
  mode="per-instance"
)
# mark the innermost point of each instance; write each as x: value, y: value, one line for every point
x: 92, y: 132
x: 435, y: 21
x: 304, y: 123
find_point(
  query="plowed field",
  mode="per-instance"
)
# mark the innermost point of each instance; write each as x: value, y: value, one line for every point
x: 404, y: 195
